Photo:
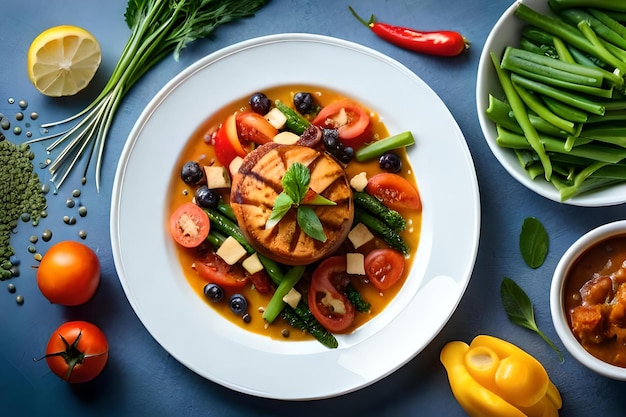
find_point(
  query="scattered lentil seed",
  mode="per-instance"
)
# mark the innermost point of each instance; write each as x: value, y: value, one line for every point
x: 82, y: 234
x: 19, y: 116
x: 46, y: 235
x: 15, y: 271
x: 45, y: 188
x: 33, y: 239
x: 20, y: 196
x: 82, y: 211
x: 25, y: 217
x: 29, y: 134
x: 31, y: 249
x: 69, y: 220
x: 70, y: 203
x: 37, y: 257
x: 23, y: 104
x: 34, y: 116
x: 285, y: 332
x: 5, y: 123
x: 17, y: 130
x: 11, y: 288
x: 76, y: 193
x: 246, y: 318
x: 19, y: 299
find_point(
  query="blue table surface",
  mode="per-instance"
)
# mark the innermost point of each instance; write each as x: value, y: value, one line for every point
x: 141, y: 378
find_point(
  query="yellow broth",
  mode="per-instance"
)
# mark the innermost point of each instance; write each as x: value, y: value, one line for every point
x: 198, y: 149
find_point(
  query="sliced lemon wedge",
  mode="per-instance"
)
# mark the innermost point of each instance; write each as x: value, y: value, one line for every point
x: 62, y: 60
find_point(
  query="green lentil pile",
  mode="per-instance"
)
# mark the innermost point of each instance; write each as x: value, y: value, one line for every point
x: 21, y: 197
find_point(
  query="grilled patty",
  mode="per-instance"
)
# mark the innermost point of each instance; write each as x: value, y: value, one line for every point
x: 258, y: 183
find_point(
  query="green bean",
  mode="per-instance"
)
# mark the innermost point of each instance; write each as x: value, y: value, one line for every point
x: 533, y: 103
x: 376, y: 149
x: 295, y: 123
x: 572, y: 99
x: 521, y: 115
x: 276, y: 303
x: 565, y: 111
x: 272, y: 268
x: 575, y: 16
x: 599, y: 153
x: 302, y: 315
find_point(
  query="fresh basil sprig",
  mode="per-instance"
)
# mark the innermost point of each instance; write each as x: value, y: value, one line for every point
x: 296, y: 193
x: 533, y: 242
x: 520, y: 310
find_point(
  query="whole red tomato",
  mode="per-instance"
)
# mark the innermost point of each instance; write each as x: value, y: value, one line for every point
x: 69, y: 273
x: 77, y: 351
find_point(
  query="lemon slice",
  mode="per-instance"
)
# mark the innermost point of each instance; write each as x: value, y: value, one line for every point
x: 62, y: 60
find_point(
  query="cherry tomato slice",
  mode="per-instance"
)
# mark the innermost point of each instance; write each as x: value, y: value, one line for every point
x: 394, y: 191
x: 349, y: 118
x: 384, y: 267
x: 261, y: 282
x: 255, y: 128
x: 226, y: 141
x: 214, y: 269
x: 330, y: 307
x: 189, y: 225
x: 77, y: 351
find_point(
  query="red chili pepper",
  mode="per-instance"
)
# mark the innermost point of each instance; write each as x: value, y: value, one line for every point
x: 442, y: 43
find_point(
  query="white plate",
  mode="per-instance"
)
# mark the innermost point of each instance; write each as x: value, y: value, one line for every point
x: 218, y: 350
x: 506, y: 32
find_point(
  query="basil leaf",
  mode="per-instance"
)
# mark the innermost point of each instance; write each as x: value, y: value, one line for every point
x: 533, y: 242
x: 296, y: 181
x: 520, y: 311
x: 310, y: 223
x: 282, y: 204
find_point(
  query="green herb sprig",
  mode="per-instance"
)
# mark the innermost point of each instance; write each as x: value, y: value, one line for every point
x: 520, y: 310
x: 533, y: 242
x: 159, y: 28
x: 296, y: 193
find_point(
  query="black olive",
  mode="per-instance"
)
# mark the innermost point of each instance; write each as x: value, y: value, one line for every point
x: 238, y: 304
x: 346, y: 155
x: 390, y: 162
x: 213, y: 292
x: 191, y: 173
x: 259, y: 103
x: 330, y: 137
x: 304, y: 102
x: 206, y: 197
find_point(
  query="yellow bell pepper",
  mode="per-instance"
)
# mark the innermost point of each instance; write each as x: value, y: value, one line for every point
x: 492, y: 377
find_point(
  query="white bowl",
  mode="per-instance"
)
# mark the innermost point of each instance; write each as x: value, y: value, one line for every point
x: 506, y: 32
x: 557, y: 307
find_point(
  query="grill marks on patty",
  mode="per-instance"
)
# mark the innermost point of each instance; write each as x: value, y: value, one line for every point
x: 256, y: 187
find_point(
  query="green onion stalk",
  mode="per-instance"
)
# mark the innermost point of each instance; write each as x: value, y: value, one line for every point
x: 158, y: 28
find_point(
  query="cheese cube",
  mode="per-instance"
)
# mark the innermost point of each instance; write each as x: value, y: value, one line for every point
x: 359, y: 181
x: 276, y: 118
x: 292, y: 298
x: 360, y: 235
x: 217, y: 177
x: 355, y: 264
x: 252, y: 264
x: 231, y: 251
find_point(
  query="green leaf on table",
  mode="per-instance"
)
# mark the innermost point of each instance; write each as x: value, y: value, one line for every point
x: 533, y: 242
x: 310, y: 223
x: 282, y: 204
x: 296, y: 181
x: 520, y: 310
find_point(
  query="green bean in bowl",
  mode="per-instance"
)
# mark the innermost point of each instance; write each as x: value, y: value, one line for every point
x: 551, y: 98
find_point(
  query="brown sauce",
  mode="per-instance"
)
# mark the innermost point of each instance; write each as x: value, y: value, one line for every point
x: 595, y: 300
x: 198, y: 150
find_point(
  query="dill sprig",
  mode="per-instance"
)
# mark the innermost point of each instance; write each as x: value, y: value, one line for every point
x: 158, y: 28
